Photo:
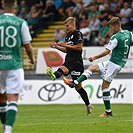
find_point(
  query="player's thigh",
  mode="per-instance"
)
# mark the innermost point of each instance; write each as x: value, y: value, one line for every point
x: 15, y: 81
x: 102, y: 66
x: 2, y: 82
x: 94, y: 68
x: 65, y: 69
x: 72, y: 68
x: 76, y: 70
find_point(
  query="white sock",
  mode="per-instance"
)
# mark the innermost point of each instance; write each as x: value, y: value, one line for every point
x: 76, y: 82
x: 8, y: 129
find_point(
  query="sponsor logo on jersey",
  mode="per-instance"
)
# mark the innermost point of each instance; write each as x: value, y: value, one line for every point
x: 5, y: 57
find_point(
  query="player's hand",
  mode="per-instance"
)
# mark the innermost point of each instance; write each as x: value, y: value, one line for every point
x: 91, y: 59
x: 32, y: 61
x: 62, y: 44
x: 53, y: 44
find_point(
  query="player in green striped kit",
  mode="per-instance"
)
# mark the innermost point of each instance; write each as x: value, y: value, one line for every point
x: 119, y: 44
x: 14, y: 33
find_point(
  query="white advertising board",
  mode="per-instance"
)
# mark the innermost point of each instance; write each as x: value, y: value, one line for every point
x: 54, y: 58
x: 56, y: 92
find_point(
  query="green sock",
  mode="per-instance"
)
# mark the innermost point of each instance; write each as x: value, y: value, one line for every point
x: 81, y: 78
x: 87, y: 73
x: 11, y: 113
x: 3, y: 107
x: 106, y: 99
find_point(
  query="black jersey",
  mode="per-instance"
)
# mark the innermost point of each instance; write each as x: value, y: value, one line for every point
x: 74, y: 38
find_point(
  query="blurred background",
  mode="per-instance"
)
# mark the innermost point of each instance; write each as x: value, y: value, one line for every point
x: 46, y: 23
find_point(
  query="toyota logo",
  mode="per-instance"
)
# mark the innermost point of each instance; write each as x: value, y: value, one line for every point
x: 51, y: 92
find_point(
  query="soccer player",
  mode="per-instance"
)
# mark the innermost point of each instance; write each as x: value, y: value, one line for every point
x: 14, y: 33
x: 73, y: 64
x: 119, y: 44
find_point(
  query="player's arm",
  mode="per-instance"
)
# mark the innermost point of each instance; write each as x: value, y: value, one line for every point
x: 29, y: 52
x: 72, y: 47
x: 78, y: 40
x: 57, y: 46
x: 132, y: 36
x: 102, y: 54
x: 26, y: 38
x: 110, y: 46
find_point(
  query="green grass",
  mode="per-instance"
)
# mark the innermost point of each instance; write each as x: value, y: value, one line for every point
x: 73, y: 119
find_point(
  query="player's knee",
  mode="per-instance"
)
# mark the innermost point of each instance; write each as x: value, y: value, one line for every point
x: 3, y: 98
x: 105, y: 85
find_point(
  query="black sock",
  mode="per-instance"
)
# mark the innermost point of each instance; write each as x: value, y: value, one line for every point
x: 84, y: 96
x: 58, y: 73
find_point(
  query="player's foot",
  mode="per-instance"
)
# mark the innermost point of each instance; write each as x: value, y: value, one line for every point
x: 68, y: 82
x: 106, y: 114
x: 89, y: 109
x: 50, y: 73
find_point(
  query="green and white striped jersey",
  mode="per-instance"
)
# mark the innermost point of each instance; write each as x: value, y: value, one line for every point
x: 14, y: 32
x: 120, y: 45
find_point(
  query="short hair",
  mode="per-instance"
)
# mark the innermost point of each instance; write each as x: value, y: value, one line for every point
x: 70, y: 19
x: 9, y: 3
x: 115, y: 21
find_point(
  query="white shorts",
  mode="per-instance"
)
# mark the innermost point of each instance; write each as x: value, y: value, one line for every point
x: 11, y: 81
x: 109, y: 70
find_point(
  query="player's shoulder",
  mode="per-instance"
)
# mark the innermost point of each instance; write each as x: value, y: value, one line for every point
x: 20, y: 20
x: 127, y: 32
x: 77, y: 32
x: 114, y: 36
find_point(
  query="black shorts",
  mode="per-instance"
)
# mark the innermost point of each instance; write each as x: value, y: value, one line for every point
x: 75, y: 68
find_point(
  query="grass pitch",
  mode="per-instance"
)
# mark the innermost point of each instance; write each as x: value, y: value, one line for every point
x: 73, y: 119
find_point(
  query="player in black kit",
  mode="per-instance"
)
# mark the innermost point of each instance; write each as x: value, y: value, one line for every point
x: 73, y: 64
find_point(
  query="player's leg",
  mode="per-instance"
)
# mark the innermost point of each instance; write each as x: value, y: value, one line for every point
x: 3, y: 102
x: 11, y: 112
x: 57, y: 74
x: 86, y: 74
x: 106, y: 99
x: 84, y: 97
x: 75, y: 73
x: 14, y: 85
x: 108, y: 73
x: 3, y: 108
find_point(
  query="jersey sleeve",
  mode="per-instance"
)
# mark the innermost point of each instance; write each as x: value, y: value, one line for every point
x: 132, y: 36
x: 26, y: 37
x: 78, y: 37
x: 112, y: 44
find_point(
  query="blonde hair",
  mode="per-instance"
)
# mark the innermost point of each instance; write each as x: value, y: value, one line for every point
x: 70, y: 20
x: 115, y: 21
